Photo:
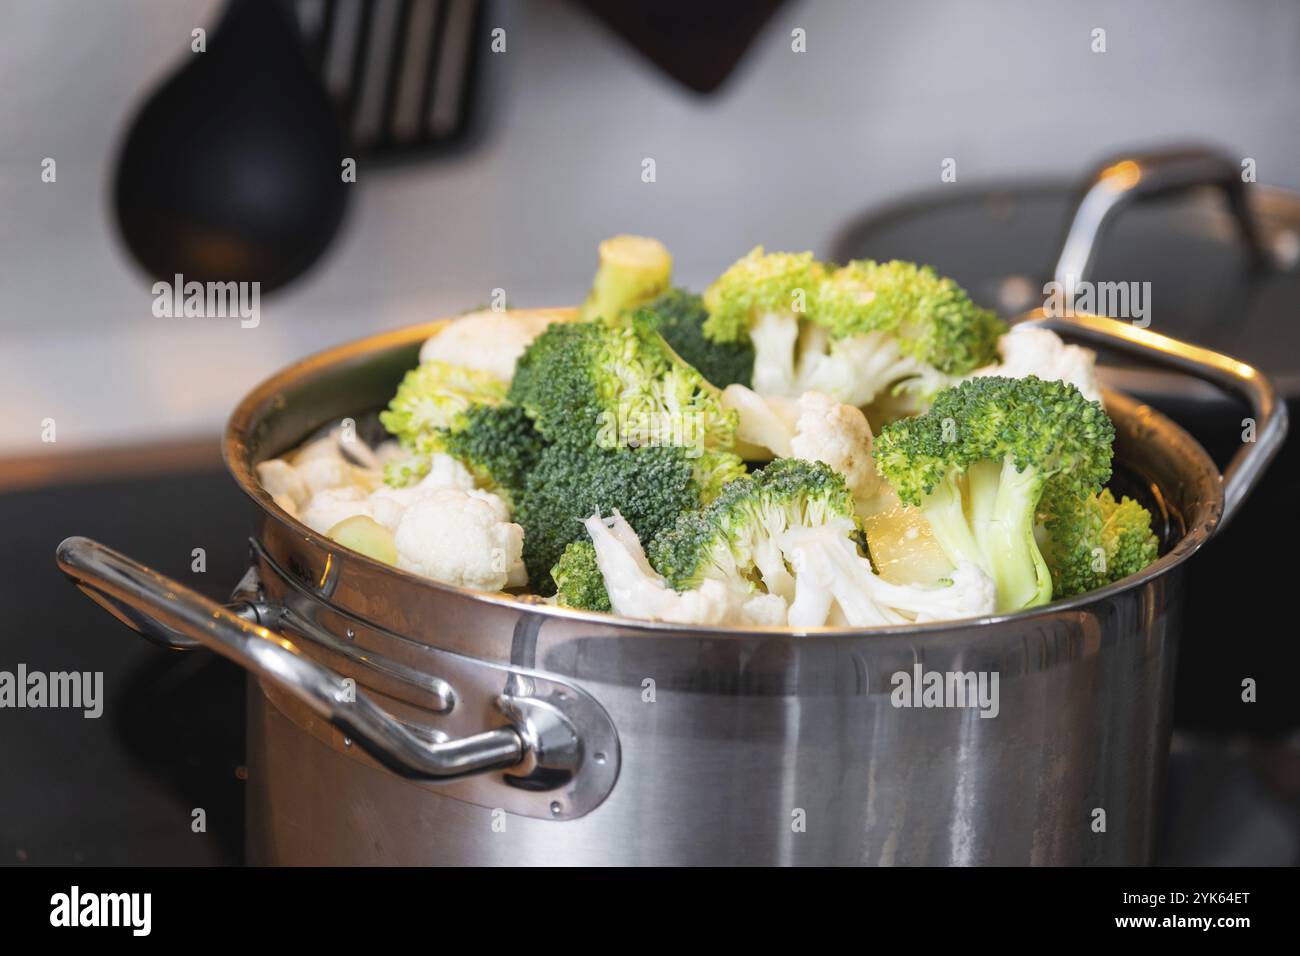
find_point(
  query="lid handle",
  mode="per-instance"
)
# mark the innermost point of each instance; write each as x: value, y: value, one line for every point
x: 1138, y: 176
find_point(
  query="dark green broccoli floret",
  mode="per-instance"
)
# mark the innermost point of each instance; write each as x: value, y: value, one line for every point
x: 498, y: 444
x: 979, y: 462
x: 578, y: 581
x: 1095, y: 540
x: 679, y: 316
x: 651, y: 485
x: 618, y: 384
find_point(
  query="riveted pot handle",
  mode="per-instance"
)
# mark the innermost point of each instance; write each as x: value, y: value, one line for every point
x: 1250, y: 462
x: 168, y: 613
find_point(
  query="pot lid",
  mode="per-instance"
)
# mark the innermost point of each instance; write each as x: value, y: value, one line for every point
x: 1203, y: 256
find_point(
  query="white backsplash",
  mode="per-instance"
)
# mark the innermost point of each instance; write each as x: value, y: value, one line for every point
x: 791, y: 148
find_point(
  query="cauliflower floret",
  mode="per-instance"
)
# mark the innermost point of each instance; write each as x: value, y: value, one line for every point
x: 1027, y: 350
x: 637, y: 590
x: 837, y: 435
x: 462, y: 537
x: 815, y: 428
x: 331, y: 505
x: 444, y: 472
x: 765, y: 422
x: 283, y: 483
x: 835, y: 585
x: 324, y: 474
x: 488, y: 341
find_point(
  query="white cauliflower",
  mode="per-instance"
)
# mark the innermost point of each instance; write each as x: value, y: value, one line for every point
x: 488, y: 341
x: 283, y: 483
x: 323, y: 474
x: 331, y: 505
x: 835, y: 585
x: 1027, y: 350
x: 837, y: 435
x: 462, y: 537
x: 389, y: 504
x: 636, y: 590
x: 815, y: 427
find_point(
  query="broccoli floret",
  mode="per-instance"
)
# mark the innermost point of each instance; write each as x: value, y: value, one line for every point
x: 735, y: 539
x: 651, y: 485
x: 578, y: 581
x: 854, y: 333
x: 633, y: 270
x: 979, y: 461
x: 760, y: 299
x: 931, y: 318
x: 618, y: 385
x: 892, y: 330
x: 679, y: 316
x: 436, y: 395
x: 440, y: 407
x: 1093, y: 541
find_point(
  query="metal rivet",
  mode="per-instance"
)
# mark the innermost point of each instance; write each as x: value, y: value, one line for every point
x: 347, y: 741
x: 556, y: 808
x: 599, y: 757
x: 352, y: 635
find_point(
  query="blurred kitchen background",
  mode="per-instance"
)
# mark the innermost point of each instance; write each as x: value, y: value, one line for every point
x: 537, y: 156
x: 785, y: 152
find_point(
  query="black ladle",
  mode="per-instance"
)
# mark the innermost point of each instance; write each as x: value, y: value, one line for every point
x: 232, y: 169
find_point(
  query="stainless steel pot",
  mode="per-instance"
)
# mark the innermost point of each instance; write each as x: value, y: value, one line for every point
x: 402, y: 721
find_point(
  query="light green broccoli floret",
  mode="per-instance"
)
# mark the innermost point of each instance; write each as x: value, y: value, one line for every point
x: 930, y: 318
x: 436, y: 395
x: 760, y: 283
x: 980, y: 460
x: 1093, y: 541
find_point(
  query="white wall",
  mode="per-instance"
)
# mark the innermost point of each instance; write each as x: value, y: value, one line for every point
x: 792, y: 147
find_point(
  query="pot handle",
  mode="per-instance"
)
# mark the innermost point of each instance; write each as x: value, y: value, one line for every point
x: 1250, y: 462
x: 168, y: 613
x: 1120, y: 182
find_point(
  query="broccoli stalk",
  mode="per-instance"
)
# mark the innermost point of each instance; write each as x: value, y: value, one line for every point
x: 980, y: 461
x: 632, y: 271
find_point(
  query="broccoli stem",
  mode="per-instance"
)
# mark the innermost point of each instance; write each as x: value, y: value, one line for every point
x: 1005, y: 531
x: 946, y: 512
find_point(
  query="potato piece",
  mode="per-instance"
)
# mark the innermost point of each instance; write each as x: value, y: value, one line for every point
x: 365, y: 534
x: 903, y: 546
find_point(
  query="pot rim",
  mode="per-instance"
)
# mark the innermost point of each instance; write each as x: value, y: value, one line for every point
x: 236, y: 452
